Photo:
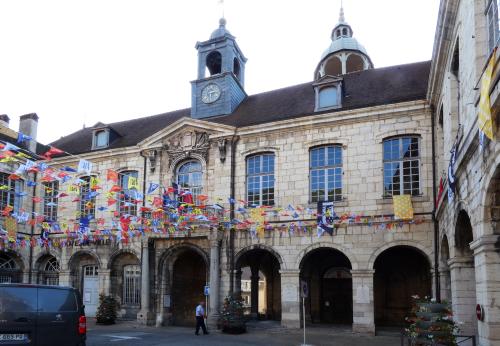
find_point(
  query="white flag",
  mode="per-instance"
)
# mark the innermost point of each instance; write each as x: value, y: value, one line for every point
x: 84, y: 166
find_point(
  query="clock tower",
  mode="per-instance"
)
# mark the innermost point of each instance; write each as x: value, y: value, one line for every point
x: 221, y: 71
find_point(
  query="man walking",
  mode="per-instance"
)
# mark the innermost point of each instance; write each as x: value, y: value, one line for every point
x: 200, y: 318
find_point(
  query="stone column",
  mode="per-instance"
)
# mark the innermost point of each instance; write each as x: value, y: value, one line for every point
x: 363, y: 314
x: 237, y: 282
x: 487, y: 260
x: 104, y: 281
x: 64, y: 278
x: 463, y: 293
x: 214, y: 284
x: 145, y: 315
x: 290, y: 300
x: 254, y: 297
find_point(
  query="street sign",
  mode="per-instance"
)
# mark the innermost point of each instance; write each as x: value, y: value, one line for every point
x: 206, y: 290
x: 304, y: 289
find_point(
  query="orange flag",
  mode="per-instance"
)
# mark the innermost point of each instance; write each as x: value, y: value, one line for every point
x: 112, y: 175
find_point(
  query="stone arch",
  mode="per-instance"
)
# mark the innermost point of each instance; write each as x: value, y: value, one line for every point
x: 173, y: 265
x: 463, y: 234
x: 119, y: 252
x: 178, y: 161
x: 258, y: 281
x: 125, y: 280
x: 173, y: 250
x: 400, y: 272
x: 44, y: 276
x: 84, y: 252
x: 13, y: 266
x: 409, y: 243
x: 489, y: 211
x: 327, y: 271
x: 303, y: 254
x: 242, y: 251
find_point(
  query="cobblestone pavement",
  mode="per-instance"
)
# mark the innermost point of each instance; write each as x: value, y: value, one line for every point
x: 129, y: 333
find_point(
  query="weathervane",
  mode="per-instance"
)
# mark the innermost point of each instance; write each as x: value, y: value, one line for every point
x: 221, y: 3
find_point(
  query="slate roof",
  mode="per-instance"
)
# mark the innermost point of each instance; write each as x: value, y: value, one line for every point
x: 361, y: 89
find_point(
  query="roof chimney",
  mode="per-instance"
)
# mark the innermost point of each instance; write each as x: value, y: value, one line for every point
x: 28, y: 125
x: 4, y: 120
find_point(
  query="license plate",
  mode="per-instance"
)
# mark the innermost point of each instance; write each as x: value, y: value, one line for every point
x: 12, y: 337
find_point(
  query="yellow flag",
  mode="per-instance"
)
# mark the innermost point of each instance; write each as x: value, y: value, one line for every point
x: 73, y: 189
x: 133, y: 183
x: 93, y: 182
x: 11, y: 227
x: 485, y: 122
x: 403, y: 209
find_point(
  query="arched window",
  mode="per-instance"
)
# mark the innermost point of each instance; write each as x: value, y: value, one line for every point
x: 344, y: 32
x: 328, y: 97
x: 131, y: 285
x: 190, y: 180
x: 87, y: 198
x: 214, y: 63
x: 50, y: 273
x: 128, y: 194
x: 9, y: 271
x: 260, y: 179
x: 401, y: 166
x: 326, y: 173
x: 11, y: 195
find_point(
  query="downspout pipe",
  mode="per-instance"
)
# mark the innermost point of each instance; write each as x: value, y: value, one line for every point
x: 434, y: 208
x: 234, y: 141
x: 32, y: 233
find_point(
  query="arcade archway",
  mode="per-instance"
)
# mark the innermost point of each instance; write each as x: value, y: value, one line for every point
x: 328, y: 274
x: 259, y: 282
x: 400, y: 273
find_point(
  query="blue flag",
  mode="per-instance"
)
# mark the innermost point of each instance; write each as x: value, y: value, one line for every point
x: 152, y: 188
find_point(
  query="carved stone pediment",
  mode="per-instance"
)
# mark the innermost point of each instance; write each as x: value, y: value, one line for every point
x: 187, y: 143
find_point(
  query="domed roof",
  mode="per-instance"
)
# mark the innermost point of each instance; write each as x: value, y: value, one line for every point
x: 221, y: 31
x: 344, y: 43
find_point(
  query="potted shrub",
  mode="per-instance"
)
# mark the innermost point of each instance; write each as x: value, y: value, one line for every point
x: 431, y: 323
x: 107, y: 310
x: 231, y: 318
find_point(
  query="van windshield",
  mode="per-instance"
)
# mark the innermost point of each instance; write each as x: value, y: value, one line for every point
x: 56, y: 300
x: 17, y: 299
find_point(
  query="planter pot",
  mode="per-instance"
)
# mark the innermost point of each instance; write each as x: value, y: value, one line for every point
x: 434, y: 307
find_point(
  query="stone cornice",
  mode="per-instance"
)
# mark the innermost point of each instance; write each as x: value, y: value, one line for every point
x: 486, y: 243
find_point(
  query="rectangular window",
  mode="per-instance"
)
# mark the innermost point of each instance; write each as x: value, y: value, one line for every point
x: 127, y: 197
x: 50, y: 200
x: 260, y: 180
x: 132, y: 285
x: 10, y: 195
x: 326, y: 173
x: 493, y: 27
x: 87, y: 198
x: 401, y: 166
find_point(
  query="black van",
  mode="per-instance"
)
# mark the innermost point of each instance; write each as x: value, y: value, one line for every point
x: 41, y: 315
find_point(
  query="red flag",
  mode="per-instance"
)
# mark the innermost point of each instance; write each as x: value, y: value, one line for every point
x: 112, y: 175
x: 52, y: 151
x: 115, y: 188
x: 441, y: 190
x: 187, y: 198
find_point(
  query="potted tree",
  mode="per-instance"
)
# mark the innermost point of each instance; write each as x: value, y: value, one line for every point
x: 231, y: 318
x: 107, y: 310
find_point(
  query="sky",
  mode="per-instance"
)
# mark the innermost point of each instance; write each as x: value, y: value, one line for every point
x: 76, y: 63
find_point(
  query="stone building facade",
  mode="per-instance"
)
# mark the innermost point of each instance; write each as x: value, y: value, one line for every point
x: 355, y: 136
x: 469, y: 265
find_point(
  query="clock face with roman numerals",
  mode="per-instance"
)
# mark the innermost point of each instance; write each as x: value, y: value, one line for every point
x: 210, y: 93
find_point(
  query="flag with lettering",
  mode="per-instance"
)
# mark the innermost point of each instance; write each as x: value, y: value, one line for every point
x: 133, y: 183
x: 84, y: 166
x: 403, y: 209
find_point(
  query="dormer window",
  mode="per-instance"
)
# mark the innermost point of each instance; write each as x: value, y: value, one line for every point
x: 328, y: 90
x: 100, y: 139
x: 328, y: 97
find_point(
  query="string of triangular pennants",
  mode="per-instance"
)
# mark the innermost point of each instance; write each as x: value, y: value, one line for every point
x: 170, y: 210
